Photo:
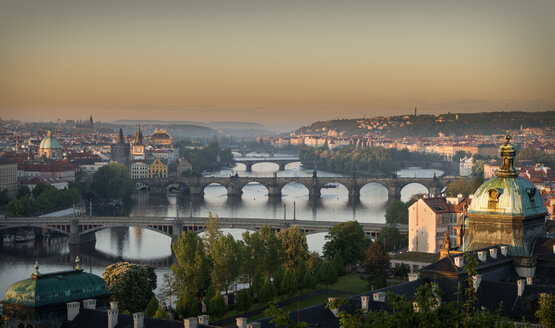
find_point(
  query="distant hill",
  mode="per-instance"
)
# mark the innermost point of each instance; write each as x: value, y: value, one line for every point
x: 234, y: 129
x: 432, y: 125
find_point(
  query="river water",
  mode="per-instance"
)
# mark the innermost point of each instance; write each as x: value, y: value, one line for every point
x: 146, y: 246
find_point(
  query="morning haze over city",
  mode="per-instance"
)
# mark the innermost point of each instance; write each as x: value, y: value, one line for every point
x: 277, y: 164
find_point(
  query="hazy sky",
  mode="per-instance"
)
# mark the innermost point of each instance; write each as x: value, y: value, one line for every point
x: 273, y: 62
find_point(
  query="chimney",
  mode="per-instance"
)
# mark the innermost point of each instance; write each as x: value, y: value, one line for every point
x: 476, y: 280
x: 504, y: 250
x: 89, y: 304
x: 459, y: 261
x: 379, y: 296
x: 365, y: 302
x: 414, y: 276
x: 138, y: 320
x: 72, y: 310
x: 203, y: 319
x: 529, y: 280
x: 255, y: 324
x: 241, y: 322
x: 335, y: 311
x: 493, y: 253
x: 113, y: 315
x: 190, y: 322
x: 482, y: 256
x: 520, y: 286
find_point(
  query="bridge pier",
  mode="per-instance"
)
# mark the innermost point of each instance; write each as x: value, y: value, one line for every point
x: 274, y: 191
x: 177, y: 228
x: 354, y: 192
x: 394, y: 193
x: 233, y: 191
x: 314, y: 191
x: 196, y: 191
x: 77, y: 238
x: 282, y: 166
x: 249, y: 167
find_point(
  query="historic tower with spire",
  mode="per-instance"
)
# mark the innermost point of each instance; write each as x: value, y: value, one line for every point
x: 120, y: 149
x: 138, y: 152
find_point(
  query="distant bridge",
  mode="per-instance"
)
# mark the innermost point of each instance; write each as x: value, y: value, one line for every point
x: 281, y: 162
x: 234, y: 184
x: 81, y: 229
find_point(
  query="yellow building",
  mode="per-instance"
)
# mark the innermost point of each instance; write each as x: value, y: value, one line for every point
x: 157, y: 169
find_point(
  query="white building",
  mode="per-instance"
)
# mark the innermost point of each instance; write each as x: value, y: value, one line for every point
x: 138, y: 170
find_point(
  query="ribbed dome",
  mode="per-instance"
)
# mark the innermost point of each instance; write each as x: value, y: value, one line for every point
x: 50, y: 142
x: 513, y: 196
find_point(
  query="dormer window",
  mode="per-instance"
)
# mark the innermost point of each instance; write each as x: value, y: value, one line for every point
x: 493, y: 197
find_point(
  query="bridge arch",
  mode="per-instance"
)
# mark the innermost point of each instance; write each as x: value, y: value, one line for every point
x: 413, y: 189
x: 276, y: 165
x: 42, y: 226
x: 295, y: 188
x: 213, y: 186
x: 334, y: 188
x: 167, y: 231
x: 255, y: 187
x: 374, y: 192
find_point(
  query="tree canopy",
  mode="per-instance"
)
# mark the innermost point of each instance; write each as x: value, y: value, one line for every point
x: 348, y: 240
x: 397, y: 212
x: 131, y: 285
x: 112, y: 182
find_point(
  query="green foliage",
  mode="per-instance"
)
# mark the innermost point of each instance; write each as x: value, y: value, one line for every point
x: 267, y: 292
x: 377, y: 266
x: 459, y: 155
x: 546, y: 310
x: 225, y: 258
x: 252, y: 256
x: 463, y: 186
x: 4, y: 197
x: 205, y: 158
x: 391, y: 238
x: 288, y: 284
x: 192, y: 269
x: 300, y: 274
x: 217, y: 306
x: 244, y: 300
x: 152, y: 306
x: 536, y: 156
x: 40, y: 188
x: 48, y: 200
x: 22, y: 192
x: 478, y: 169
x: 160, y: 313
x: 271, y: 259
x: 397, y: 212
x: 112, y: 182
x: 257, y: 281
x: 131, y: 285
x: 338, y: 265
x: 348, y: 240
x: 168, y: 288
x: 187, y: 306
x: 326, y: 273
x: 280, y: 318
x: 295, y: 248
x: 401, y: 271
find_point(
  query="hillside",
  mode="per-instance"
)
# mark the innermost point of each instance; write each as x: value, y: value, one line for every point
x: 431, y: 125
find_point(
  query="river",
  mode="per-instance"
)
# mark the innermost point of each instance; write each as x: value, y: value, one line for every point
x: 146, y: 246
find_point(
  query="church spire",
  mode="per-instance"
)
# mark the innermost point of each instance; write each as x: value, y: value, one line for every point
x: 120, y: 139
x: 139, y: 136
x: 507, y: 154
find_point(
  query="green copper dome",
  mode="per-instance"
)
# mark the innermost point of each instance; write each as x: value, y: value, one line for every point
x: 507, y: 193
x: 49, y: 142
x: 55, y: 288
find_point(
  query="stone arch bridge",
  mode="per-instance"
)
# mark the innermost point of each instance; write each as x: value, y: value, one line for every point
x: 274, y: 185
x: 81, y: 230
x: 281, y: 162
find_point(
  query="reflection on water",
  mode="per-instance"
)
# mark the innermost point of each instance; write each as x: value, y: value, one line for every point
x: 146, y: 246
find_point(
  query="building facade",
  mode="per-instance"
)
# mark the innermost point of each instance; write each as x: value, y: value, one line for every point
x: 138, y: 170
x: 50, y: 148
x: 157, y: 169
x: 8, y: 176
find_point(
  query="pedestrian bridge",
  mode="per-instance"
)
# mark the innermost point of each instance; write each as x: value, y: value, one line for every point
x: 81, y: 229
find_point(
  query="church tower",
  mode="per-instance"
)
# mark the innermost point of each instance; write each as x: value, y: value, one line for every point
x: 120, y: 149
x: 138, y: 146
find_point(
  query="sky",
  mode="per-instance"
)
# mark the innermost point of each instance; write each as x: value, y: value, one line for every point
x: 274, y: 62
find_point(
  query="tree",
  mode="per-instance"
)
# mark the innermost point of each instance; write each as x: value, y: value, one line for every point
x: 225, y: 258
x: 4, y: 197
x: 22, y: 192
x: 546, y: 310
x: 288, y: 284
x: 253, y: 255
x: 112, y: 182
x: 338, y: 265
x: 187, y: 306
x: 295, y: 248
x: 160, y: 313
x: 280, y: 318
x: 217, y: 306
x: 152, y: 306
x: 40, y: 188
x: 390, y: 237
x: 463, y: 186
x: 401, y: 271
x: 131, y: 285
x: 377, y: 266
x: 257, y: 282
x: 346, y: 239
x: 271, y: 260
x: 168, y: 288
x: 267, y: 292
x: 326, y: 274
x: 397, y: 212
x: 458, y: 155
x: 244, y: 300
x: 192, y: 270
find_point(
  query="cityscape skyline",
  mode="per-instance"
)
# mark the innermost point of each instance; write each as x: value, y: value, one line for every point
x: 272, y: 63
